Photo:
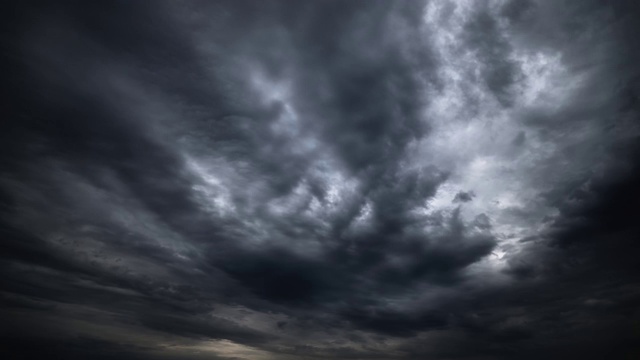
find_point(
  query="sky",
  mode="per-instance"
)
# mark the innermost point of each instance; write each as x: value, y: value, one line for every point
x: 296, y: 180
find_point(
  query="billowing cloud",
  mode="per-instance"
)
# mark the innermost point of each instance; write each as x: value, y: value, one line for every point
x: 296, y: 180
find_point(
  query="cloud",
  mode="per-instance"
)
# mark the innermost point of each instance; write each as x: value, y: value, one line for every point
x: 462, y: 196
x: 291, y: 180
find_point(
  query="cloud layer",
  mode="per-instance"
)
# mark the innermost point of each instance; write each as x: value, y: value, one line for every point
x: 297, y: 180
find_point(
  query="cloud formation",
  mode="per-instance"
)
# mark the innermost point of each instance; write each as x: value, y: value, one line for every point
x: 297, y: 180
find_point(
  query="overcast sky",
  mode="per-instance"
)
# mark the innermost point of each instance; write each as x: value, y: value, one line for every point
x: 191, y: 180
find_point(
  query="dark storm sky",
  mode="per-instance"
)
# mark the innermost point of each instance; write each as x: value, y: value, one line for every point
x: 320, y: 180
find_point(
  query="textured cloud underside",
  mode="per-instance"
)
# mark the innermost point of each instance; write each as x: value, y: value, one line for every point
x: 321, y: 179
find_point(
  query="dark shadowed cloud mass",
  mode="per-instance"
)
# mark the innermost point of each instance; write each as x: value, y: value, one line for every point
x: 320, y: 180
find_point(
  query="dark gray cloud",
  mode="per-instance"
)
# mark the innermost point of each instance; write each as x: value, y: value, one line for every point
x: 289, y: 180
x: 464, y: 196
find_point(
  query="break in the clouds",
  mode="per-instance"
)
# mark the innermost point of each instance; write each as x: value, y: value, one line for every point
x: 320, y: 179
